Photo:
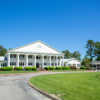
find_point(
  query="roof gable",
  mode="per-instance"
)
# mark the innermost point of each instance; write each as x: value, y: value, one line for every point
x: 36, y: 47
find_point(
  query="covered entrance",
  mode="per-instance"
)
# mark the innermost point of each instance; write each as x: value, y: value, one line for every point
x: 37, y: 65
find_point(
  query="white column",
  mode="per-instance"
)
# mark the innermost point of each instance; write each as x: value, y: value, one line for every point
x: 17, y: 60
x: 60, y: 61
x: 57, y: 61
x: 26, y: 59
x: 63, y: 61
x: 42, y: 61
x: 50, y: 60
x: 8, y: 59
x: 35, y: 60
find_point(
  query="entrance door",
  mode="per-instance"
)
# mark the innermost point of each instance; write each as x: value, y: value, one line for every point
x: 37, y: 65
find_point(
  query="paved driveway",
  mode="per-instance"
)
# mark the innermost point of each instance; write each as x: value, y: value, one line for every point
x: 16, y: 88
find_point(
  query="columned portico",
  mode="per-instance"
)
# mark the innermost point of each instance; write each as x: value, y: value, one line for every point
x: 34, y: 54
x: 25, y: 60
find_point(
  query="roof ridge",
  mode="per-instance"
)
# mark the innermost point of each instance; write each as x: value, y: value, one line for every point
x: 34, y: 43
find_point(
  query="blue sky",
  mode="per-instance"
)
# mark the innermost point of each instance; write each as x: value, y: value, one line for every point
x: 63, y: 24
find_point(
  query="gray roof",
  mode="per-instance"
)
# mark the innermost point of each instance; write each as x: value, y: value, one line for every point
x: 95, y: 62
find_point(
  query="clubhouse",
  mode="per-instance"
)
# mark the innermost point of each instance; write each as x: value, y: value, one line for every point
x: 36, y: 54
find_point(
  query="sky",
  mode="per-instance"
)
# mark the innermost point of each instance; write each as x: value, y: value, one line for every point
x: 63, y: 24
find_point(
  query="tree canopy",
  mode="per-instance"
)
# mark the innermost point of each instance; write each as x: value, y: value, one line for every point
x: 2, y: 51
x: 69, y: 54
x: 93, y: 49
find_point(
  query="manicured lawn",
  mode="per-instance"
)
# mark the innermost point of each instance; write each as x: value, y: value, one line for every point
x: 14, y: 72
x: 76, y: 86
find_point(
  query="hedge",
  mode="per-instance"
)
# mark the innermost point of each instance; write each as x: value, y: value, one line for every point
x: 6, y: 68
x: 18, y: 68
x: 83, y: 67
x: 66, y: 68
x: 57, y: 68
x: 30, y: 68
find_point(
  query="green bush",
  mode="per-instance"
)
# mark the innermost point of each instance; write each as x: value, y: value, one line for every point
x: 83, y: 67
x: 30, y: 68
x: 34, y: 68
x: 58, y: 68
x: 6, y: 68
x: 51, y: 68
x: 47, y: 68
x: 18, y: 68
x: 66, y: 68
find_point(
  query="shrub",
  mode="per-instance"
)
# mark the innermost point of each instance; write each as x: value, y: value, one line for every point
x: 66, y: 68
x: 47, y: 68
x: 18, y: 68
x: 34, y: 68
x: 6, y: 68
x: 51, y: 68
x: 83, y: 67
x: 28, y: 68
x: 58, y: 68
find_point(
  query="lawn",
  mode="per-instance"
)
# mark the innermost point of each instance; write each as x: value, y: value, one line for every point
x: 15, y: 72
x: 73, y: 86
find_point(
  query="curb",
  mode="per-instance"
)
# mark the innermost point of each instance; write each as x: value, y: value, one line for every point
x: 42, y: 92
x: 12, y: 74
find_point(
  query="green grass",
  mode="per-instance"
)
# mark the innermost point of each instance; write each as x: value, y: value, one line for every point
x: 73, y: 86
x: 15, y: 72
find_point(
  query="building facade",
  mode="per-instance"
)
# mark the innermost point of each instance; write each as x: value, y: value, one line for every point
x: 36, y: 54
x: 96, y: 65
x: 72, y: 62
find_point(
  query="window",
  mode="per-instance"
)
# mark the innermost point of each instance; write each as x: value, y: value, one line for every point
x: 21, y: 56
x: 45, y: 57
x: 74, y: 64
x: 30, y: 64
x: 52, y: 64
x: 12, y: 56
x: 78, y: 65
x: 45, y: 63
x: 12, y: 63
x: 37, y: 57
x: 21, y: 64
x: 30, y: 57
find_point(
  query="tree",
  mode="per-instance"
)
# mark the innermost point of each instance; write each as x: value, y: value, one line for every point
x: 2, y: 51
x: 67, y: 53
x: 76, y: 55
x: 97, y: 50
x: 90, y: 49
x: 86, y: 62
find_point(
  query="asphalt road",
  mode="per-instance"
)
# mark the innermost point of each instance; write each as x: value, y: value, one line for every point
x: 17, y: 88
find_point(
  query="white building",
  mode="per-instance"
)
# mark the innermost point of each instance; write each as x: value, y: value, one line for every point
x: 72, y: 62
x: 2, y: 61
x: 95, y: 65
x: 36, y: 54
